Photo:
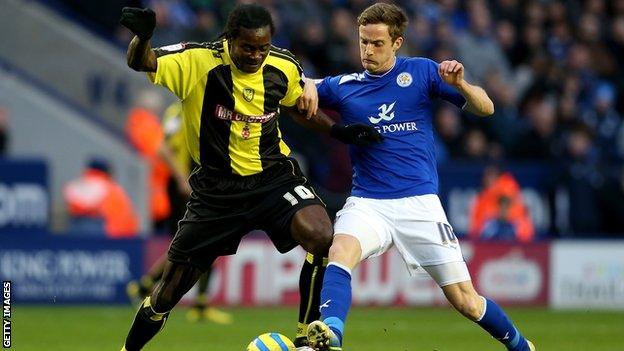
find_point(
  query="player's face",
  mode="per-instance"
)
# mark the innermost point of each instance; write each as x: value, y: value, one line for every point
x: 377, y: 49
x: 250, y: 48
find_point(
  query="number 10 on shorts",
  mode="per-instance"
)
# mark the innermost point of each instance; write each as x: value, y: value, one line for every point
x: 302, y: 192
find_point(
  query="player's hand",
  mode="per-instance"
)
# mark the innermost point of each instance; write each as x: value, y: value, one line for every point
x: 452, y: 72
x: 140, y: 21
x: 308, y: 101
x: 356, y: 134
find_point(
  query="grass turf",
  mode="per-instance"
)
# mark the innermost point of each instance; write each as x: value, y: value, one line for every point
x: 41, y: 328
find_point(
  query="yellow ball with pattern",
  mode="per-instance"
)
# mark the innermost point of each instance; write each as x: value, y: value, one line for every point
x: 271, y: 342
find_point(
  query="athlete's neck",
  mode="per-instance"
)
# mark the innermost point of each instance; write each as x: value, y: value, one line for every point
x: 384, y: 70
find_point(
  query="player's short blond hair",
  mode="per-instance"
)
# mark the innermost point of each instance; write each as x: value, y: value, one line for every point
x: 391, y: 15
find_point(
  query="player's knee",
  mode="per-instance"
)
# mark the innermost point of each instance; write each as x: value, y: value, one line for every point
x: 344, y: 251
x: 317, y: 237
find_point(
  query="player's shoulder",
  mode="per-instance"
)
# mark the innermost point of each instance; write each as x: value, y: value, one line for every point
x: 284, y: 58
x: 213, y: 47
x: 418, y: 62
x: 344, y: 79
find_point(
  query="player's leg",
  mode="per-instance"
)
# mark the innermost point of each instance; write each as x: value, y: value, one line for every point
x: 292, y: 214
x: 310, y: 283
x: 212, y: 226
x: 327, y: 333
x: 439, y: 253
x: 311, y: 227
x: 481, y: 310
x: 139, y: 290
x: 360, y: 233
x: 153, y: 312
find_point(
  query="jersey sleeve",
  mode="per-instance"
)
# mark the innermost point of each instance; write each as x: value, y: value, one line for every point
x: 294, y: 74
x: 180, y: 68
x: 328, y: 92
x: 438, y: 88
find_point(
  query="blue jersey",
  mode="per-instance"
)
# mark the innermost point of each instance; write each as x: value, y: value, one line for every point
x: 399, y: 105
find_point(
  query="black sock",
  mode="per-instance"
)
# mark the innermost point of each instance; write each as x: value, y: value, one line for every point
x: 310, y: 284
x: 146, y: 324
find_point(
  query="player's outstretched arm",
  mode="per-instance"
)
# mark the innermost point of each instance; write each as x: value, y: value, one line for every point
x: 356, y: 134
x: 141, y: 22
x: 319, y: 122
x: 477, y: 100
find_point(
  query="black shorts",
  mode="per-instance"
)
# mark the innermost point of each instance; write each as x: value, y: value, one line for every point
x: 222, y: 210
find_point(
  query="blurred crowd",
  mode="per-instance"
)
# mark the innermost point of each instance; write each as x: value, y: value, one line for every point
x: 552, y: 67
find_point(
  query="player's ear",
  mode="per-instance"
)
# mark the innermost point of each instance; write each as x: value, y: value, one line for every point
x: 397, y: 43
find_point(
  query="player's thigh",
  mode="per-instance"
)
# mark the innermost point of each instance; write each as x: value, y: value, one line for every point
x: 363, y: 219
x: 311, y: 227
x: 424, y: 243
x: 452, y: 277
x: 207, y: 231
x: 291, y: 214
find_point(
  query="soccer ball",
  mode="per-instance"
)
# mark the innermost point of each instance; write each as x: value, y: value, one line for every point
x: 271, y: 342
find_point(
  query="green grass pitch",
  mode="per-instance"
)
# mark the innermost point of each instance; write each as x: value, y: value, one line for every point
x: 59, y: 328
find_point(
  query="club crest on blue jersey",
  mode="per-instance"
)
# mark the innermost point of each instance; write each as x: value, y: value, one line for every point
x: 404, y: 79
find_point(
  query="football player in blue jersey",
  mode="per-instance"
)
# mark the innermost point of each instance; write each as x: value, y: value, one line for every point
x: 394, y: 197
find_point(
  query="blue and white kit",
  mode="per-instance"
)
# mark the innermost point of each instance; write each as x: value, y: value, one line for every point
x: 394, y: 197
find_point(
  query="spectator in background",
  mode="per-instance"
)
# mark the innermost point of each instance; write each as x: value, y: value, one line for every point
x: 503, y: 124
x: 448, y: 127
x: 478, y: 49
x: 476, y: 147
x: 145, y: 133
x: 341, y: 35
x: 606, y: 122
x: 98, y: 205
x: 498, y: 212
x: 582, y: 181
x: 4, y: 130
x: 207, y: 27
x: 540, y: 140
x: 612, y: 199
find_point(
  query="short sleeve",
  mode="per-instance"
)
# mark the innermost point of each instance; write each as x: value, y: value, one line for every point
x: 438, y: 88
x: 180, y: 68
x: 295, y: 85
x: 328, y: 92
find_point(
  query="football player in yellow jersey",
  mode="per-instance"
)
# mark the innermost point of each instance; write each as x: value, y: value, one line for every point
x: 231, y: 92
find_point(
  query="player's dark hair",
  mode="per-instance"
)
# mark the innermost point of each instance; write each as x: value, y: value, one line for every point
x: 391, y: 15
x: 249, y: 16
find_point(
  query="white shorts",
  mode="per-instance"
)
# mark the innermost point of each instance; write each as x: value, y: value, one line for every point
x: 416, y: 225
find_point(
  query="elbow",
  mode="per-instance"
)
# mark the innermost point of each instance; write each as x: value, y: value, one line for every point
x: 133, y: 64
x: 489, y: 109
x: 485, y: 108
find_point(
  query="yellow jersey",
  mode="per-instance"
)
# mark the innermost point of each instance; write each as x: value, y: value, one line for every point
x: 230, y: 117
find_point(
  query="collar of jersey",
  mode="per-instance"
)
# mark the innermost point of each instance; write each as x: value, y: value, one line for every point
x: 378, y: 76
x: 228, y: 60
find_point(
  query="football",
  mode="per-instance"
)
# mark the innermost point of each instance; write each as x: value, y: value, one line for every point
x: 271, y: 342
